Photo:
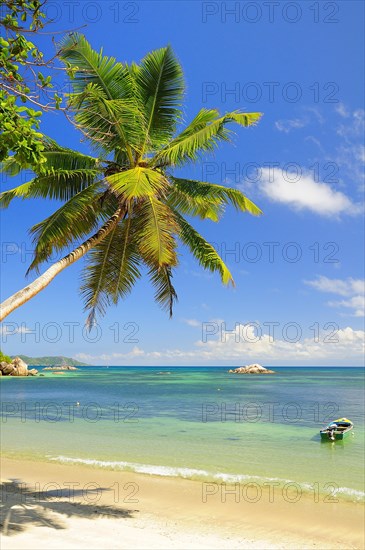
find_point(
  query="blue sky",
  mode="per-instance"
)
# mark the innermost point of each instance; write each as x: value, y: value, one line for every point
x: 298, y: 269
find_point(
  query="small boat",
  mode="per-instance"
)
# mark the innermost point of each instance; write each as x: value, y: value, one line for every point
x: 338, y: 429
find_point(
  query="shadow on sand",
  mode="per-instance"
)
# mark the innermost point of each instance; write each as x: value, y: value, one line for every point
x: 22, y: 507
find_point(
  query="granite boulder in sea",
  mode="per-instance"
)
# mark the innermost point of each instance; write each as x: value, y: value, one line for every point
x: 252, y: 369
x: 16, y: 368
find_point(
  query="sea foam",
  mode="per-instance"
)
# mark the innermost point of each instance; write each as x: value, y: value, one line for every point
x: 202, y: 475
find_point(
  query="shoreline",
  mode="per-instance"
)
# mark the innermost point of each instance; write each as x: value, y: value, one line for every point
x: 282, y: 487
x: 120, y: 509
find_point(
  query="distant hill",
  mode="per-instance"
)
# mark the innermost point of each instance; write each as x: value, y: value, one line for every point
x: 52, y: 361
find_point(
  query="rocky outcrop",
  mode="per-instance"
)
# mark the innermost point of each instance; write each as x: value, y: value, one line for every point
x: 32, y: 372
x: 60, y: 368
x: 252, y: 369
x: 6, y: 368
x: 20, y: 368
x: 16, y: 368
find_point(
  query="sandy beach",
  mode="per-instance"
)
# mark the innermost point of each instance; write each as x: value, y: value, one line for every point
x: 53, y: 506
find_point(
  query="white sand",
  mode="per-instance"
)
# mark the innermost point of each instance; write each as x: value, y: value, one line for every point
x: 168, y: 514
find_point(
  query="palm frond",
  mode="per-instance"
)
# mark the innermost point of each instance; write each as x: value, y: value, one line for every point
x: 205, y: 192
x: 75, y: 219
x: 57, y: 157
x: 155, y: 231
x: 104, y: 77
x: 109, y: 124
x: 160, y: 80
x: 193, y: 204
x: 92, y: 67
x: 137, y: 183
x: 65, y: 173
x: 63, y: 158
x: 21, y: 191
x: 112, y: 270
x: 203, y: 251
x: 165, y: 293
x: 60, y: 185
x: 201, y: 136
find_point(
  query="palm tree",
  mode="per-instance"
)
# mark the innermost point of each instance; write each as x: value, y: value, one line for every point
x: 125, y: 201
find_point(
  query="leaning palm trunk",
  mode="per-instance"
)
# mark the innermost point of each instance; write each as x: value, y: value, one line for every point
x: 28, y: 292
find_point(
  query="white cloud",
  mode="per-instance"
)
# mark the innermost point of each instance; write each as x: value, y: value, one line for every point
x: 111, y: 357
x: 315, y: 141
x: 192, y: 322
x: 343, y: 287
x: 351, y: 288
x: 360, y: 153
x: 350, y: 160
x: 244, y: 345
x: 342, y: 110
x: 354, y: 127
x: 288, y: 125
x: 356, y: 303
x: 302, y: 192
x: 311, y: 114
x: 317, y: 114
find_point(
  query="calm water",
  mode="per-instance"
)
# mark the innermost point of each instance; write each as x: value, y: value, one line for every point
x: 192, y: 422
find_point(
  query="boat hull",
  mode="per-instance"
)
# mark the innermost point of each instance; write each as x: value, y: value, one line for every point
x: 343, y: 435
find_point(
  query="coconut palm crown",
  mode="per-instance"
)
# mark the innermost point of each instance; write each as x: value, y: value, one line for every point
x: 125, y: 200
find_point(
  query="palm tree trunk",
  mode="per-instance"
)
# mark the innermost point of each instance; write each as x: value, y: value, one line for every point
x: 26, y: 293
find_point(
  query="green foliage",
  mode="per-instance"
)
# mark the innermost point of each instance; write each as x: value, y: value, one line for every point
x: 129, y: 115
x: 112, y: 270
x: 161, y: 84
x: 203, y: 251
x: 19, y: 111
x: 201, y: 136
x: 138, y: 182
x: 75, y: 219
x: 51, y: 361
x: 4, y: 357
x: 165, y: 293
x: 199, y: 195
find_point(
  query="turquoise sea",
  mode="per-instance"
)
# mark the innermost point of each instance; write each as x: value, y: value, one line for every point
x: 199, y: 423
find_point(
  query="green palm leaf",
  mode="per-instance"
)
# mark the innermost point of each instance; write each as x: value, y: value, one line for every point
x: 63, y: 158
x: 22, y: 191
x: 192, y: 204
x: 160, y: 81
x: 204, y: 252
x: 102, y: 76
x: 60, y: 185
x: 57, y: 157
x: 137, y: 183
x: 112, y: 270
x: 165, y: 294
x: 202, y: 135
x: 110, y: 124
x: 205, y: 192
x: 75, y: 219
x: 91, y: 67
x: 156, y: 229
x: 65, y: 173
